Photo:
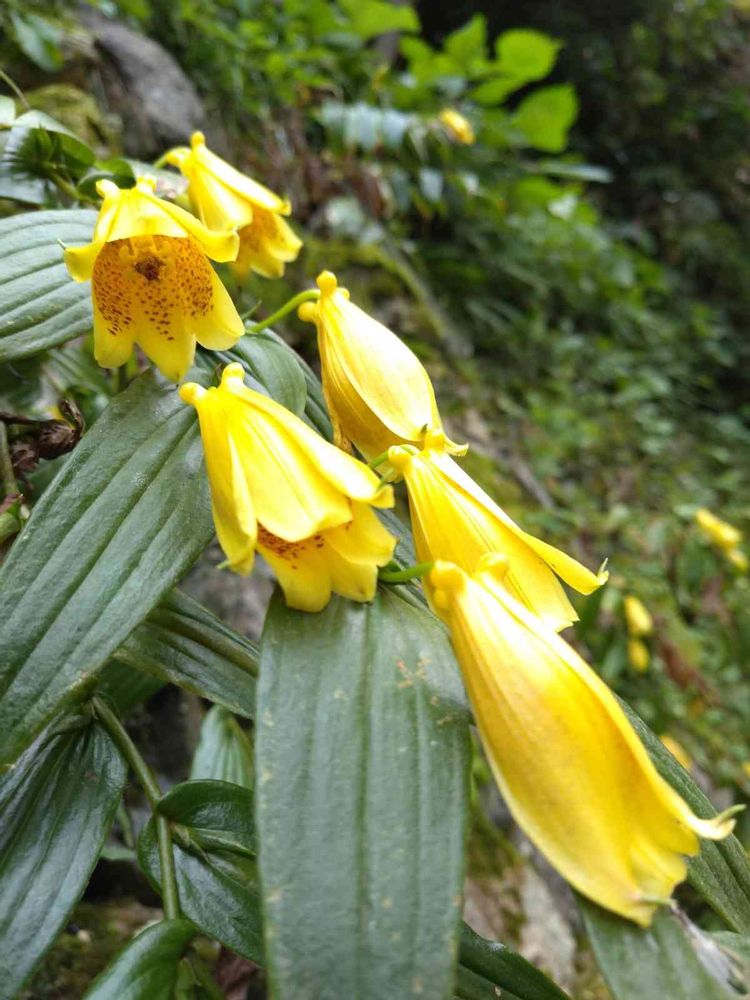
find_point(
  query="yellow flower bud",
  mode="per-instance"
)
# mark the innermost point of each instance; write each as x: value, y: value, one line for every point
x: 574, y: 774
x: 723, y: 535
x: 639, y: 621
x: 457, y: 127
x: 638, y: 655
x: 377, y: 391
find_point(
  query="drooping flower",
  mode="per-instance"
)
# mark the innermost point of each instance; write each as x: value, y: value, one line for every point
x: 377, y: 391
x: 723, y: 535
x: 639, y: 656
x: 152, y: 282
x: 637, y: 617
x: 222, y: 198
x: 454, y: 519
x: 572, y: 770
x: 457, y: 127
x: 277, y: 486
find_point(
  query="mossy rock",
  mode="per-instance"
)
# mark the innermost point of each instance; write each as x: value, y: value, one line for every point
x: 79, y: 112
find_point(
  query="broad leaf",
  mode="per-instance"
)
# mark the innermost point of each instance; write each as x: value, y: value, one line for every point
x: 40, y: 304
x: 147, y: 969
x: 526, y: 54
x: 496, y: 965
x: 57, y: 805
x: 125, y: 687
x: 224, y: 751
x: 655, y: 964
x: 122, y: 521
x: 216, y: 869
x: 275, y: 365
x: 721, y: 872
x: 182, y: 643
x: 361, y: 763
x: 545, y: 117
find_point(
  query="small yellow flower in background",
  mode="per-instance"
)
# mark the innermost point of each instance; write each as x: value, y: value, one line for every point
x: 457, y: 126
x: 569, y: 765
x: 152, y: 283
x: 722, y: 534
x: 454, y: 519
x: 638, y: 655
x: 277, y: 486
x: 746, y: 768
x: 377, y: 391
x: 677, y: 750
x: 738, y: 559
x: 224, y: 198
x: 637, y: 617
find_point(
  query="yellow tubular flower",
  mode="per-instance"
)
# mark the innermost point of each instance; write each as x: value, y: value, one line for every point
x: 223, y: 198
x: 152, y: 283
x: 638, y: 655
x: 637, y: 617
x: 277, y: 486
x: 723, y: 535
x: 573, y: 772
x: 377, y: 391
x: 457, y: 126
x: 453, y: 519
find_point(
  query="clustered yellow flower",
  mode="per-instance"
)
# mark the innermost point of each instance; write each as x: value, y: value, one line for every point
x: 572, y: 770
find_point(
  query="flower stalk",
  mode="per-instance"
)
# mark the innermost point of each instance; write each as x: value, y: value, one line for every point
x: 306, y: 296
x: 150, y: 786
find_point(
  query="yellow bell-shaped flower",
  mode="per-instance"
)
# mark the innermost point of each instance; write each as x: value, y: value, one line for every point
x: 152, y: 283
x: 723, y: 535
x: 454, y: 519
x: 277, y: 486
x: 223, y: 198
x: 457, y: 127
x: 574, y: 774
x: 637, y: 617
x: 377, y: 391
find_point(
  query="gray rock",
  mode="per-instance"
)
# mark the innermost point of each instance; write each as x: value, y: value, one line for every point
x: 143, y: 84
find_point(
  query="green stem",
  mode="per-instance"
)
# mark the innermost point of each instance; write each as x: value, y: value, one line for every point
x: 379, y: 459
x: 204, y: 977
x: 15, y: 88
x: 7, y: 473
x: 307, y: 296
x: 148, y: 782
x: 404, y: 575
x: 70, y: 189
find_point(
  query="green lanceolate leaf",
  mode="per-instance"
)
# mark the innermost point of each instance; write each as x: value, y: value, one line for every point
x: 40, y: 304
x: 182, y: 643
x: 147, y: 969
x: 57, y: 804
x: 275, y: 366
x: 125, y: 517
x: 214, y: 849
x: 721, y: 872
x: 224, y: 750
x: 493, y: 963
x: 362, y: 769
x: 663, y: 961
x: 124, y: 687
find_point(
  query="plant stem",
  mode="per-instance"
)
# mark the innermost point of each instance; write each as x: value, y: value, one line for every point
x: 146, y: 779
x: 307, y: 296
x: 7, y: 474
x: 379, y: 459
x: 404, y: 575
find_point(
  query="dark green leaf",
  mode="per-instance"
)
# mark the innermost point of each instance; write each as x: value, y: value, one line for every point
x: 122, y: 521
x: 501, y: 966
x: 57, y: 805
x: 38, y: 38
x: 124, y: 687
x: 721, y: 872
x: 218, y: 813
x: 652, y: 964
x: 217, y: 885
x: 275, y: 366
x: 224, y: 751
x: 40, y: 304
x: 147, y: 969
x: 182, y: 643
x: 362, y: 752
